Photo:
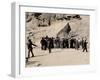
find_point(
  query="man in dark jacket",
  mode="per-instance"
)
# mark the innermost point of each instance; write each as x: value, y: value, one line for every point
x: 85, y: 46
x: 43, y: 44
x: 49, y: 44
x: 30, y: 48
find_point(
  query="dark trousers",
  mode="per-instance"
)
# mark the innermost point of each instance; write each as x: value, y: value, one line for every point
x: 30, y: 50
x: 49, y: 49
x: 85, y: 49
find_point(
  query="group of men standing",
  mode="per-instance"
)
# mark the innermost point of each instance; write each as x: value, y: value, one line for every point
x: 51, y: 42
x: 47, y: 43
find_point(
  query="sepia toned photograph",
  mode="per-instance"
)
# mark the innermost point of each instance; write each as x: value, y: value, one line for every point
x: 56, y: 39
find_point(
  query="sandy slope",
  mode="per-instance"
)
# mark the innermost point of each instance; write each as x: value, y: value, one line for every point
x: 58, y: 57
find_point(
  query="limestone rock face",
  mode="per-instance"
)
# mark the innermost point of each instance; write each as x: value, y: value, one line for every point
x: 42, y: 24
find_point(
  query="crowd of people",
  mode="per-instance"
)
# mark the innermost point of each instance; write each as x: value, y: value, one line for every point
x: 51, y: 42
x: 48, y: 43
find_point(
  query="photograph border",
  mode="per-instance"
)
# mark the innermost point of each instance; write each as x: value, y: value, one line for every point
x: 16, y: 62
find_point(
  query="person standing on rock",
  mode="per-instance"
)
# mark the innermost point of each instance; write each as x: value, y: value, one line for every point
x: 68, y: 28
x: 30, y: 48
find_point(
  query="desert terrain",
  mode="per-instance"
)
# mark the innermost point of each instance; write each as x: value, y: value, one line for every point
x: 38, y: 27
